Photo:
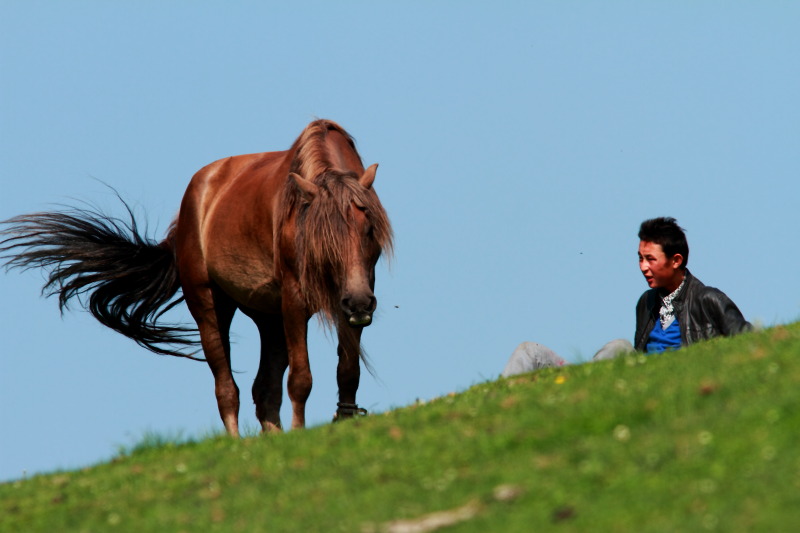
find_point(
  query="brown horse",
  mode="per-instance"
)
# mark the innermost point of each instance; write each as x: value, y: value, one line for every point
x: 278, y: 235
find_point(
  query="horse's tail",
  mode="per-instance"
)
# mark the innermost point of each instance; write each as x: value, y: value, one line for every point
x: 130, y: 280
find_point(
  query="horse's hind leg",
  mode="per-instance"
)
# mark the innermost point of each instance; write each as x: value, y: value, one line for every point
x: 268, y: 385
x: 213, y: 313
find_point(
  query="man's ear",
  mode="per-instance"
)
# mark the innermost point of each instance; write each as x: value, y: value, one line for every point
x: 677, y: 260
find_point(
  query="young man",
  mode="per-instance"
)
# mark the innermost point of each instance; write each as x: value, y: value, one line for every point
x: 677, y: 310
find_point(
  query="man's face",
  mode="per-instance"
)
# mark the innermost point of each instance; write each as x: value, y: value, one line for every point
x: 660, y: 271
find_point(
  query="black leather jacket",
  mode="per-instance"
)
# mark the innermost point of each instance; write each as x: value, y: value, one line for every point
x: 702, y: 313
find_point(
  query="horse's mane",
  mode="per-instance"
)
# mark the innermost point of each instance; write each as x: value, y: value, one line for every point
x: 322, y: 225
x: 311, y: 158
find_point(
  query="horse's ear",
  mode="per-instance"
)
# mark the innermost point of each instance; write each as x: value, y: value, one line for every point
x: 368, y: 176
x: 308, y: 188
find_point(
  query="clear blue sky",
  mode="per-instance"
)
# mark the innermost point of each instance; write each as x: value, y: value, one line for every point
x: 520, y: 145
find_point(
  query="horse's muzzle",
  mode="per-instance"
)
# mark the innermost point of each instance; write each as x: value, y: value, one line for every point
x: 358, y: 308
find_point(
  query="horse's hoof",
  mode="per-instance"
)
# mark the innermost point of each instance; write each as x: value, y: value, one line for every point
x: 348, y: 410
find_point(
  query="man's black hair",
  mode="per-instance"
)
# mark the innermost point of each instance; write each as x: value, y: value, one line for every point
x: 666, y: 232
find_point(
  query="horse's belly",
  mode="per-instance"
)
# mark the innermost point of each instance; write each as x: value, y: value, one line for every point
x: 249, y: 284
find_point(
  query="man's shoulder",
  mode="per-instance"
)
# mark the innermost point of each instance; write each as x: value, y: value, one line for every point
x: 647, y: 298
x: 712, y: 302
x: 706, y: 294
x: 711, y: 295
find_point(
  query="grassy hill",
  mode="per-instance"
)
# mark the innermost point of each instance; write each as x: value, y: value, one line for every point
x: 702, y: 439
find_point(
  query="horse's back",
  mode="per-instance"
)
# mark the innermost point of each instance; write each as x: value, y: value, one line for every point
x: 216, y: 181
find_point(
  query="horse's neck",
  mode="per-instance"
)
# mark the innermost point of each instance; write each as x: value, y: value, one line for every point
x: 341, y: 155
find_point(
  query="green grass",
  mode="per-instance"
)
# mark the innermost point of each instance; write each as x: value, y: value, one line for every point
x: 702, y: 439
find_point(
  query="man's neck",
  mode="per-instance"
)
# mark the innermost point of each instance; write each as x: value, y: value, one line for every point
x: 676, y: 281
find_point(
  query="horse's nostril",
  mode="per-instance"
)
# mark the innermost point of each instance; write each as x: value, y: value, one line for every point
x: 362, y: 304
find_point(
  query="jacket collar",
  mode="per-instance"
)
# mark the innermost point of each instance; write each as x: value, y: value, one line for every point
x: 688, y: 284
x: 655, y: 295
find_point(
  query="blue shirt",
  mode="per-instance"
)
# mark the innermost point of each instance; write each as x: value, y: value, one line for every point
x: 664, y: 339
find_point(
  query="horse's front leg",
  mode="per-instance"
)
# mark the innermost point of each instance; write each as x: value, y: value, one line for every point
x: 348, y: 371
x: 268, y: 385
x: 295, y: 323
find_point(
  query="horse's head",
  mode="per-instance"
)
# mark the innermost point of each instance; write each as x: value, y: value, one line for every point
x: 342, y: 231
